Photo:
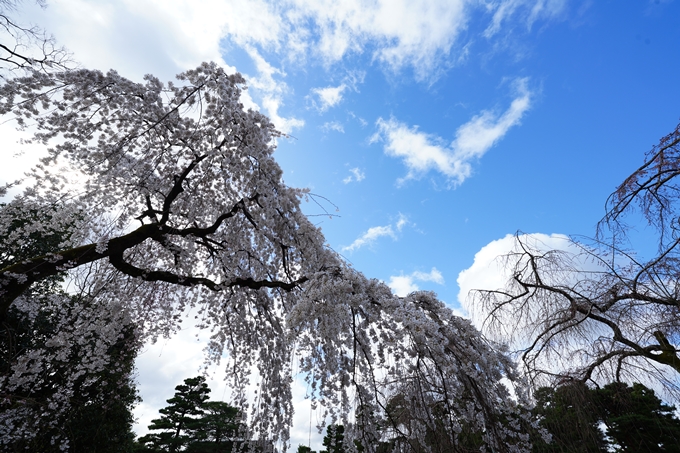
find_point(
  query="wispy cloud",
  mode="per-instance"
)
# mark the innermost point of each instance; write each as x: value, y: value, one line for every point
x: 361, y: 121
x: 422, y: 152
x: 418, y: 34
x: 164, y: 38
x: 271, y: 91
x: 325, y: 98
x: 329, y: 96
x: 421, y: 34
x: 370, y: 236
x: 529, y: 11
x: 402, y: 285
x: 402, y: 222
x: 374, y: 233
x: 356, y: 175
x: 333, y: 126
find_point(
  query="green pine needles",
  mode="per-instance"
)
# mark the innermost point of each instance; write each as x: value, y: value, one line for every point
x: 191, y: 423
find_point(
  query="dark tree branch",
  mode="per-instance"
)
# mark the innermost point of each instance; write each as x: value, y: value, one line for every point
x: 18, y: 277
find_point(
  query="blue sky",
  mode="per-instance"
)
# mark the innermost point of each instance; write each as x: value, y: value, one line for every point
x: 595, y: 88
x: 436, y: 127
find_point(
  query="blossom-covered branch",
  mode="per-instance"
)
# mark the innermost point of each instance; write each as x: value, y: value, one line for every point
x: 176, y: 201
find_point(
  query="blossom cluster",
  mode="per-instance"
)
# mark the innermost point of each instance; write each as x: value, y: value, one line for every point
x: 178, y: 203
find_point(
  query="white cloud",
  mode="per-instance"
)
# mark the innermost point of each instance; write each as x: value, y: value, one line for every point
x: 167, y: 37
x: 255, y: 22
x: 529, y: 11
x: 489, y: 272
x: 420, y: 34
x: 358, y: 175
x: 370, y: 236
x: 271, y: 91
x: 333, y: 126
x: 332, y: 95
x: 422, y: 152
x: 374, y: 233
x: 361, y: 121
x: 329, y: 96
x: 402, y: 221
x: 402, y: 285
x: 415, y: 33
x: 503, y: 11
x: 433, y: 276
x: 546, y: 9
x: 137, y: 37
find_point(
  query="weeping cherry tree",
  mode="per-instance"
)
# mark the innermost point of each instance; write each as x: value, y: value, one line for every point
x: 175, y: 202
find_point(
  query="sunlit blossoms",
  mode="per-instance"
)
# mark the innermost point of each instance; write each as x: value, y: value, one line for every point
x: 173, y: 200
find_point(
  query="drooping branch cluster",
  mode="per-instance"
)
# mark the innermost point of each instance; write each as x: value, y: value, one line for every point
x: 598, y: 311
x: 23, y: 48
x: 653, y: 187
x: 202, y: 181
x: 180, y: 205
x: 571, y: 311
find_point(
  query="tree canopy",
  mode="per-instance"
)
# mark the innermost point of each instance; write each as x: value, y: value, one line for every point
x: 191, y: 423
x: 176, y: 201
x: 595, y: 310
x: 44, y: 401
x: 156, y: 198
x: 632, y: 417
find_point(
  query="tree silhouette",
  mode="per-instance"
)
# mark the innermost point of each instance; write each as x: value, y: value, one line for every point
x: 593, y: 310
x: 179, y: 424
x: 96, y: 416
x: 637, y: 420
x: 634, y: 418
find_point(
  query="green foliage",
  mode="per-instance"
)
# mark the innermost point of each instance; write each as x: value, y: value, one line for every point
x: 98, y: 414
x: 193, y: 424
x: 572, y: 419
x: 217, y: 429
x: 335, y: 435
x: 179, y: 421
x: 635, y: 420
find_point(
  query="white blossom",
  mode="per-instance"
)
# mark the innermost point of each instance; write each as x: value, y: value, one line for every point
x: 179, y: 204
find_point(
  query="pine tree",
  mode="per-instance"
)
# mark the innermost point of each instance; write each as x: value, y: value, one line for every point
x: 637, y: 420
x: 218, y: 430
x: 335, y: 435
x: 570, y: 416
x: 181, y: 419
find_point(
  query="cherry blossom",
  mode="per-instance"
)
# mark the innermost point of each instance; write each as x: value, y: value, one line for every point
x: 176, y: 203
